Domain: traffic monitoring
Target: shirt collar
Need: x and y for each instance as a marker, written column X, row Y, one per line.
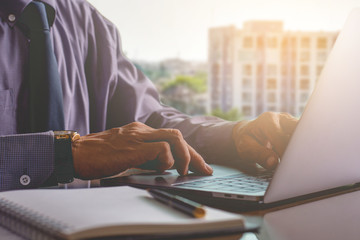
column 10, row 10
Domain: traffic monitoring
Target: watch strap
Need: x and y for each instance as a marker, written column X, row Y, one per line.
column 64, row 166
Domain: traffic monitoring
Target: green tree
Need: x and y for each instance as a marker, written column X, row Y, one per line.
column 196, row 83
column 186, row 93
column 231, row 115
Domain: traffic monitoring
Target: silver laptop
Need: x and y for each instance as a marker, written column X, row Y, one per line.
column 323, row 153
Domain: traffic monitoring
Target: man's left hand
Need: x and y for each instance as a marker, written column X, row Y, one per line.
column 263, row 140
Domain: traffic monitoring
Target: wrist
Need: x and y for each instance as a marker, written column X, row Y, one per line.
column 238, row 127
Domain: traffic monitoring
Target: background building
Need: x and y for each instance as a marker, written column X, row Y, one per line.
column 264, row 68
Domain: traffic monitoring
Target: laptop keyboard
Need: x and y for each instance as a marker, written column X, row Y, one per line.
column 237, row 183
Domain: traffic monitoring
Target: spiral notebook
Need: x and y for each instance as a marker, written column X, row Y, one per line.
column 104, row 212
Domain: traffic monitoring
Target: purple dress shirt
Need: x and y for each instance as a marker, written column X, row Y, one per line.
column 101, row 90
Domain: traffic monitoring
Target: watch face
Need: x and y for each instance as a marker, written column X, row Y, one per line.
column 64, row 134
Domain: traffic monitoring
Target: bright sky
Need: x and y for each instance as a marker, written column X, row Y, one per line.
column 158, row 29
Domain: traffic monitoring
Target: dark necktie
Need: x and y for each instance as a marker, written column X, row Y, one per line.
column 45, row 101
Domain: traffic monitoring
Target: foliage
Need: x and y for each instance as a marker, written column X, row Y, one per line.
column 231, row 115
column 195, row 83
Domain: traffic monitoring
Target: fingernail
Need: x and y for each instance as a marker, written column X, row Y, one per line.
column 271, row 161
column 268, row 145
column 209, row 169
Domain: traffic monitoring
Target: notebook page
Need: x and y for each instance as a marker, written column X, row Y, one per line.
column 114, row 210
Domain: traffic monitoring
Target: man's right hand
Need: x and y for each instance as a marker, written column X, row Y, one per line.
column 110, row 152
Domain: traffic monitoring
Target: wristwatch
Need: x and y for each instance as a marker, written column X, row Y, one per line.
column 64, row 166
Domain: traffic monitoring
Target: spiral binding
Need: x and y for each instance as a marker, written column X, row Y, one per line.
column 29, row 224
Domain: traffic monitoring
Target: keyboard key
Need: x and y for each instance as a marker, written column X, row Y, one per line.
column 233, row 183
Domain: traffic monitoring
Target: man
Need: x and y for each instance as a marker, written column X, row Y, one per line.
column 105, row 95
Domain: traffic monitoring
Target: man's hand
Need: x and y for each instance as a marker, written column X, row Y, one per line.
column 264, row 139
column 113, row 151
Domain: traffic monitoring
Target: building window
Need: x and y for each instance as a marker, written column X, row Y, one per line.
column 246, row 110
column 322, row 43
column 284, row 55
column 271, row 70
column 304, row 84
column 284, row 44
column 321, row 56
column 246, row 97
column 272, row 42
column 260, row 42
column 246, row 83
column 271, row 97
column 305, row 56
column 271, row 83
column 248, row 42
column 304, row 70
column 247, row 69
column 304, row 97
column 305, row 42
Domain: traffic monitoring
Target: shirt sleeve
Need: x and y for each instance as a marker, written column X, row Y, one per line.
column 132, row 97
column 26, row 160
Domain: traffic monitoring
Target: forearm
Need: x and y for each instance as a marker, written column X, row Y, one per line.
column 29, row 155
column 134, row 98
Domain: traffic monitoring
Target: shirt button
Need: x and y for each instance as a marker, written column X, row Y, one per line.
column 12, row 17
column 24, row 180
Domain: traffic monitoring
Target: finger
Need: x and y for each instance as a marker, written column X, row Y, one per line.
column 288, row 123
column 198, row 164
column 278, row 143
column 249, row 149
column 285, row 126
column 158, row 156
column 179, row 147
column 275, row 128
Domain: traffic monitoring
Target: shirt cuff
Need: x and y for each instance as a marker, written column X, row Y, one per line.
column 26, row 160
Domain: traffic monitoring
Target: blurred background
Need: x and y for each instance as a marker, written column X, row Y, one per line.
column 230, row 58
